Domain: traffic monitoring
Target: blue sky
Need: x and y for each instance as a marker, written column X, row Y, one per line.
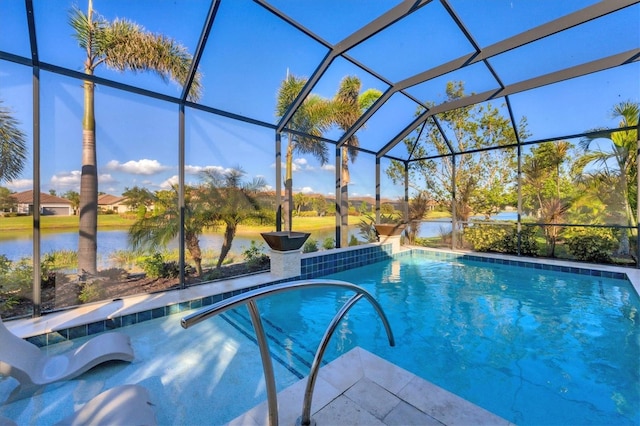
column 247, row 56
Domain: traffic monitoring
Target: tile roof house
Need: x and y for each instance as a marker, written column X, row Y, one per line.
column 50, row 205
column 112, row 203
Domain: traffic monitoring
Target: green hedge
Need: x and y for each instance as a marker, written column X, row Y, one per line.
column 502, row 239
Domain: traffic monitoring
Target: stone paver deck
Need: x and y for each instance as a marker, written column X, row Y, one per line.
column 360, row 388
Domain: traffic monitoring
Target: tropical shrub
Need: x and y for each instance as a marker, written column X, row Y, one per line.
column 156, row 267
column 591, row 244
column 329, row 243
column 254, row 255
column 310, row 246
column 502, row 239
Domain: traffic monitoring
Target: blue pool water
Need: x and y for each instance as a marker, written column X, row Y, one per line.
column 535, row 347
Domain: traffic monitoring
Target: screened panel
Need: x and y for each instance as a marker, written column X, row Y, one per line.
column 386, row 122
column 182, row 23
column 418, row 48
column 477, row 78
column 333, row 20
column 479, row 126
column 61, row 126
column 16, row 243
column 578, row 105
column 353, row 87
column 609, row 35
column 243, row 38
column 214, row 174
column 514, row 17
column 14, row 37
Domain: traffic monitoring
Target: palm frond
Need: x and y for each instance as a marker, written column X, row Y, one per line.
column 13, row 146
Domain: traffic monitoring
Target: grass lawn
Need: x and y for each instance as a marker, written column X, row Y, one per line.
column 25, row 223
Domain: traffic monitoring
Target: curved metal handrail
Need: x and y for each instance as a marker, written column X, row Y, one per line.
column 249, row 298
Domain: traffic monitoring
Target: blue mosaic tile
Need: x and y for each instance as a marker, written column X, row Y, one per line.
column 40, row 341
column 96, row 327
column 171, row 309
column 129, row 319
column 56, row 337
column 158, row 312
column 113, row 323
column 77, row 332
column 144, row 316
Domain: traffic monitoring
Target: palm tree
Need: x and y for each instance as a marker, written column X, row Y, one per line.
column 312, row 118
column 13, row 146
column 231, row 202
column 348, row 106
column 553, row 211
column 620, row 160
column 160, row 228
column 121, row 45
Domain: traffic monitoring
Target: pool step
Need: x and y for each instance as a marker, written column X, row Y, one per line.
column 293, row 355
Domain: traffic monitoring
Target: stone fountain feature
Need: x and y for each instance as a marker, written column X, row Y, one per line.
column 285, row 253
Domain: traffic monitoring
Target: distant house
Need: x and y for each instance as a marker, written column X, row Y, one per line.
column 112, row 203
column 50, row 205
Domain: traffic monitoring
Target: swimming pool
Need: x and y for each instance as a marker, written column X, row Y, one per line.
column 535, row 347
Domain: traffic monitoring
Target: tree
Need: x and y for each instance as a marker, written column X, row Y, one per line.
column 300, row 201
column 231, row 201
column 121, row 45
column 544, row 177
column 163, row 225
column 137, row 197
column 418, row 208
column 8, row 202
column 348, row 106
column 484, row 180
column 319, row 204
column 222, row 198
column 617, row 161
column 74, row 197
column 13, row 146
column 312, row 118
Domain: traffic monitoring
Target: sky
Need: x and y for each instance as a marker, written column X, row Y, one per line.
column 249, row 53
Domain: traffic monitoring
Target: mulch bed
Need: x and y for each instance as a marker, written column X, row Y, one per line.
column 60, row 293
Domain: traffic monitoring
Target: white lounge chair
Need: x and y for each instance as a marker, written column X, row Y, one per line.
column 32, row 368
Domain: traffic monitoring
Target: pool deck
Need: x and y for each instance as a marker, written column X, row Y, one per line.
column 360, row 388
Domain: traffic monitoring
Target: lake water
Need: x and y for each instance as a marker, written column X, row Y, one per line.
column 109, row 241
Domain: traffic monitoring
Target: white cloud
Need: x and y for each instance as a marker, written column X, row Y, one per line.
column 306, row 190
column 66, row 179
column 329, row 168
column 167, row 184
column 194, row 170
column 141, row 167
column 106, row 178
column 71, row 180
column 19, row 185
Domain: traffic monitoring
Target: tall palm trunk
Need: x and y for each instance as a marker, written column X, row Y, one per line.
column 193, row 245
column 229, row 234
column 344, row 199
column 88, row 206
column 288, row 188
